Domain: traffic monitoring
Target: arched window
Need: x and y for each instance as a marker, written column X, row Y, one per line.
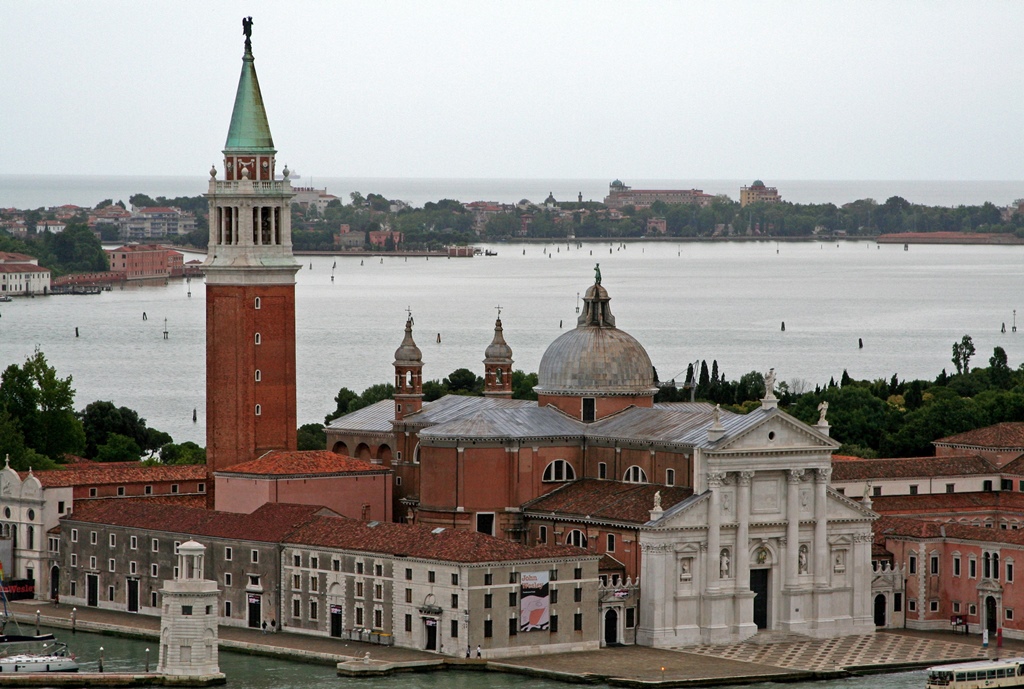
column 635, row 474
column 259, row 410
column 670, row 477
column 559, row 470
column 257, row 303
column 258, row 338
column 576, row 538
column 259, row 375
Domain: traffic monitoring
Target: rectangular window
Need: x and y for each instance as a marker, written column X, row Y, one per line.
column 408, row 623
column 174, row 487
column 133, row 567
column 577, row 622
column 455, row 629
column 513, row 626
column 950, row 487
column 186, row 610
column 553, row 623
column 670, row 477
column 577, row 573
column 296, row 582
column 408, row 574
column 972, row 568
column 359, row 589
column 74, row 560
column 254, row 580
column 92, row 492
column 154, row 571
column 296, row 560
column 913, row 489
column 1009, row 613
column 431, row 577
column 378, row 591
column 876, row 491
column 92, row 538
column 408, row 595
column 986, row 485
column 934, row 564
column 455, row 601
column 913, row 564
column 956, row 606
column 359, row 568
column 553, row 595
column 227, row 608
column 133, row 542
column 120, row 490
column 154, row 545
column 912, row 605
column 227, row 578
column 455, row 579
column 314, row 583
column 314, row 562
column 577, row 595
column 488, row 600
column 113, row 540
column 336, row 565
column 589, row 409
column 630, row 618
column 1009, row 572
column 228, row 553
column 359, row 617
column 513, row 577
column 1006, row 484
column 254, row 557
column 933, row 606
column 313, row 610
column 512, row 599
column 611, row 543
column 74, row 535
column 488, row 629
column 92, row 562
column 148, row 490
column 296, row 608
column 74, row 588
column 602, row 470
column 542, row 534
column 956, row 566
column 378, row 570
column 60, row 504
column 201, row 487
column 110, row 565
column 488, row 579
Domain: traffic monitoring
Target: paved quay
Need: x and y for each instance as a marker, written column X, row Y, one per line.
column 767, row 657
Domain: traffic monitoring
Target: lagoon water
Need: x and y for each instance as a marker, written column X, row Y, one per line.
column 683, row 302
column 255, row 672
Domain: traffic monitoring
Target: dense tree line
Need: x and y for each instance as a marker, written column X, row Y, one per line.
column 75, row 250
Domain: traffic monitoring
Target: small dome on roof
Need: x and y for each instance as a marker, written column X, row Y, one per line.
column 757, row 183
column 498, row 352
column 408, row 352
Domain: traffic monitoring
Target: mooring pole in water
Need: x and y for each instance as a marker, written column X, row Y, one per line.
column 165, row 329
column 783, row 326
column 194, row 415
column 860, row 343
column 76, row 331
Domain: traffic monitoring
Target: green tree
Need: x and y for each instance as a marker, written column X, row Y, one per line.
column 118, row 448
column 523, row 384
column 962, row 353
column 311, row 436
column 41, row 403
column 999, row 371
column 462, row 381
column 185, row 453
column 100, row 419
column 342, row 401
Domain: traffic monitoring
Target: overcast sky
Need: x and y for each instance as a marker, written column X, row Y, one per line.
column 779, row 90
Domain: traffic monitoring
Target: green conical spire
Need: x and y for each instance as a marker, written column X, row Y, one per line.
column 249, row 130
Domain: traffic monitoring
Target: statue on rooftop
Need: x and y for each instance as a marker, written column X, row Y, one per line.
column 597, row 274
column 247, row 31
column 769, row 384
column 822, row 410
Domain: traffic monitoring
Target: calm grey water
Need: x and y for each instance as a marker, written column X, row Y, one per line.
column 683, row 302
column 34, row 191
column 255, row 672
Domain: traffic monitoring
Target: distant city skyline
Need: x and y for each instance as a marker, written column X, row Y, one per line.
column 673, row 90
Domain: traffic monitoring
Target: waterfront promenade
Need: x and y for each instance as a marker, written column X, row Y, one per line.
column 769, row 657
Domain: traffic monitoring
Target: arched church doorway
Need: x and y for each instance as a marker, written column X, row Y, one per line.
column 880, row 610
column 611, row 627
column 759, row 585
column 991, row 619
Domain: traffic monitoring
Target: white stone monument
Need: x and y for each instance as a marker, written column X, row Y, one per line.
column 188, row 622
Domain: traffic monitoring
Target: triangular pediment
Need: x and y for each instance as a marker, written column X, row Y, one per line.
column 774, row 431
column 690, row 513
column 841, row 507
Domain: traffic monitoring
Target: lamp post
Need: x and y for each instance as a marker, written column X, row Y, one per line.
column 37, row 623
column 147, row 660
column 101, row 659
column 74, row 612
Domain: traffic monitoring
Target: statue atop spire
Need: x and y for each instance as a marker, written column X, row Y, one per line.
column 247, row 31
column 597, row 274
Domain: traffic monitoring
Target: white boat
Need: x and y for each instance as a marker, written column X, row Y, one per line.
column 979, row 674
column 54, row 659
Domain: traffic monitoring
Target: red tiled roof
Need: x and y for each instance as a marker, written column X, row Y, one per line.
column 179, row 499
column 268, row 524
column 304, row 463
column 948, row 502
column 911, row 467
column 1001, row 435
column 11, row 256
column 409, row 540
column 120, row 473
column 902, row 527
column 600, row 500
column 22, row 268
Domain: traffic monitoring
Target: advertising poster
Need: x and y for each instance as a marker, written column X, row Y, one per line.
column 534, row 602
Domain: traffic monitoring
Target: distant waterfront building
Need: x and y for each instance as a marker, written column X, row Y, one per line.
column 620, row 195
column 145, row 261
column 51, row 226
column 22, row 274
column 157, row 221
column 758, row 193
column 309, row 196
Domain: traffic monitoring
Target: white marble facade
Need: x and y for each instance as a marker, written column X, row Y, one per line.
column 762, row 519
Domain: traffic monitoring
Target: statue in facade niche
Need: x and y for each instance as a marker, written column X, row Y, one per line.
column 723, row 564
column 802, row 560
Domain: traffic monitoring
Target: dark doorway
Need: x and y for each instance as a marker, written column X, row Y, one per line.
column 611, row 627
column 336, row 620
column 54, row 582
column 92, row 588
column 255, row 610
column 133, row 595
column 880, row 610
column 759, row 585
column 431, row 626
column 991, row 619
column 589, row 408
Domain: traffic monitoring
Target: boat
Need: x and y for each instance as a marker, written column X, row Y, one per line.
column 5, row 297
column 1008, row 672
column 55, row 658
column 490, row 253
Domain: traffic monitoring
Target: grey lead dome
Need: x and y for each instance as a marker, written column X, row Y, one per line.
column 596, row 357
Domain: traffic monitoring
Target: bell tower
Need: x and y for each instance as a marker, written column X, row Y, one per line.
column 408, row 375
column 498, row 365
column 250, row 290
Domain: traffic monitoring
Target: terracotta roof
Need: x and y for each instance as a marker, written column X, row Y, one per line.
column 268, row 524
column 949, row 502
column 1002, row 435
column 902, row 527
column 179, row 499
column 600, row 500
column 11, row 256
column 22, row 268
column 911, row 467
column 409, row 540
column 304, row 463
column 117, row 473
column 1015, row 466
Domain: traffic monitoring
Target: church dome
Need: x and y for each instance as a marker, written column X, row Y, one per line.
column 596, row 358
column 408, row 352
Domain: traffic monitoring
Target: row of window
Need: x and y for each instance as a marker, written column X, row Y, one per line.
column 990, row 566
column 987, row 486
column 577, row 538
column 561, row 470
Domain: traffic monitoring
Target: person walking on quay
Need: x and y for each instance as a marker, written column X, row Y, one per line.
column 273, row 625
column 468, row 650
column 478, row 651
column 264, row 626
